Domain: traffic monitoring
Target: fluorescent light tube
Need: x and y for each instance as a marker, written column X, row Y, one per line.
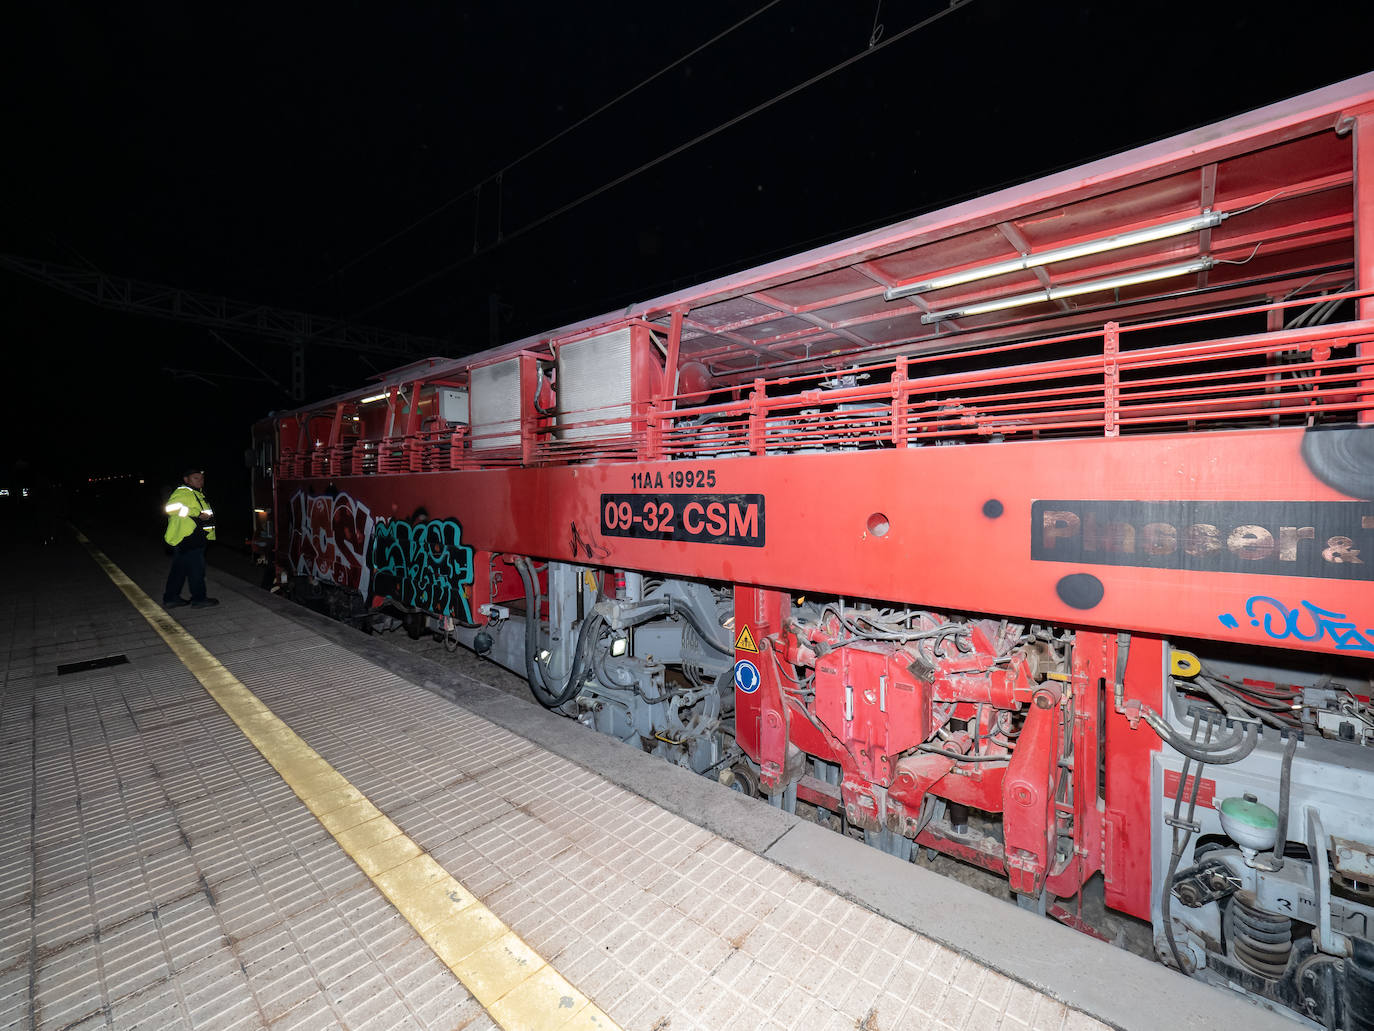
column 374, row 397
column 1077, row 250
column 1071, row 290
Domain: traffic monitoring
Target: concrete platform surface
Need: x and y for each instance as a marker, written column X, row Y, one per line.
column 241, row 822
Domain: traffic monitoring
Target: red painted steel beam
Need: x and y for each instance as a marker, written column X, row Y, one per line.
column 1028, row 794
column 1128, row 753
column 1363, row 142
column 943, row 549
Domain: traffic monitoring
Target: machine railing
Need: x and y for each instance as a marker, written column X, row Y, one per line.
column 1074, row 385
column 1288, row 376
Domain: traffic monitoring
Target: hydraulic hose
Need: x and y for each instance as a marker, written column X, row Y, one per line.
column 1228, row 703
column 1285, row 786
column 1232, row 748
column 538, row 389
column 1166, row 915
column 1183, row 834
column 586, row 640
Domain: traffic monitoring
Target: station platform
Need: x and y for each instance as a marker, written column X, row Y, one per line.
column 248, row 817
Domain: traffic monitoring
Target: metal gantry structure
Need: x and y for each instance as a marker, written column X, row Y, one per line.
column 296, row 329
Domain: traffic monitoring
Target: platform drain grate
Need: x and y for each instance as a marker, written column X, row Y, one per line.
column 80, row 667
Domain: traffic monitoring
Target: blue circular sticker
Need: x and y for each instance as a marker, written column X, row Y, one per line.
column 747, row 677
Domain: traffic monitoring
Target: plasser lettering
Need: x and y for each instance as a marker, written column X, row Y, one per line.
column 1330, row 539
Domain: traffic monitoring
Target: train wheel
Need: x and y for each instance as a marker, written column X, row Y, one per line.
column 742, row 778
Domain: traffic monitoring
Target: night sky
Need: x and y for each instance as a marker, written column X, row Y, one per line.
column 267, row 153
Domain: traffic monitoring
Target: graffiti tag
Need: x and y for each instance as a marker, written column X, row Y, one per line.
column 424, row 565
column 329, row 539
column 1306, row 622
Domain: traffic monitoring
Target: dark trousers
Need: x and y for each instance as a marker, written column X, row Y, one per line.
column 188, row 566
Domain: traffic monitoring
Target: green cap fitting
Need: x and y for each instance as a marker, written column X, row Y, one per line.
column 1252, row 814
column 1249, row 824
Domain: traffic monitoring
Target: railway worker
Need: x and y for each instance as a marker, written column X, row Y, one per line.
column 190, row 527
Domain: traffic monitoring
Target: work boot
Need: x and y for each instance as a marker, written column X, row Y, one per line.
column 175, row 603
column 204, row 603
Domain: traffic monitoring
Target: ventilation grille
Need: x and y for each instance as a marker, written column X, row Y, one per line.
column 494, row 399
column 594, row 385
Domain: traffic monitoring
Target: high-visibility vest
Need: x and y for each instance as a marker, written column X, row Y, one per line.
column 183, row 508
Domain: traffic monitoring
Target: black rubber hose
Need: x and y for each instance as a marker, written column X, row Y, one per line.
column 1182, row 835
column 1233, row 748
column 586, row 639
column 1221, row 757
column 1227, row 701
column 582, row 653
column 1285, row 783
column 532, row 606
column 1166, row 900
column 538, row 389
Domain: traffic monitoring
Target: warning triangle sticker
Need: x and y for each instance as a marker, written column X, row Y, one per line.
column 745, row 641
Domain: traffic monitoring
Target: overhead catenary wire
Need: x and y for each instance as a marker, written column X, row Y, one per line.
column 496, row 176
column 876, row 33
column 536, row 223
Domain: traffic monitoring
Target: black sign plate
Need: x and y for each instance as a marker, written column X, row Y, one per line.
column 730, row 519
column 1330, row 539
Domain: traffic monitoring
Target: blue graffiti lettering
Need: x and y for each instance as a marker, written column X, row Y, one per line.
column 1307, row 622
column 424, row 565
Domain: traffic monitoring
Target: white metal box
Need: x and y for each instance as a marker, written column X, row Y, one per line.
column 453, row 404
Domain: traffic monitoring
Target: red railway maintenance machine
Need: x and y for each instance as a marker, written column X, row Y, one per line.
column 1037, row 531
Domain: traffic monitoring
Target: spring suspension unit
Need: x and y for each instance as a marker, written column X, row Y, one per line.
column 1260, row 940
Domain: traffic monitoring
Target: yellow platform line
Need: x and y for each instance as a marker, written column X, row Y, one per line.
column 515, row 985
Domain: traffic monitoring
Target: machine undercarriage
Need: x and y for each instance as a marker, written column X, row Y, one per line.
column 983, row 740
